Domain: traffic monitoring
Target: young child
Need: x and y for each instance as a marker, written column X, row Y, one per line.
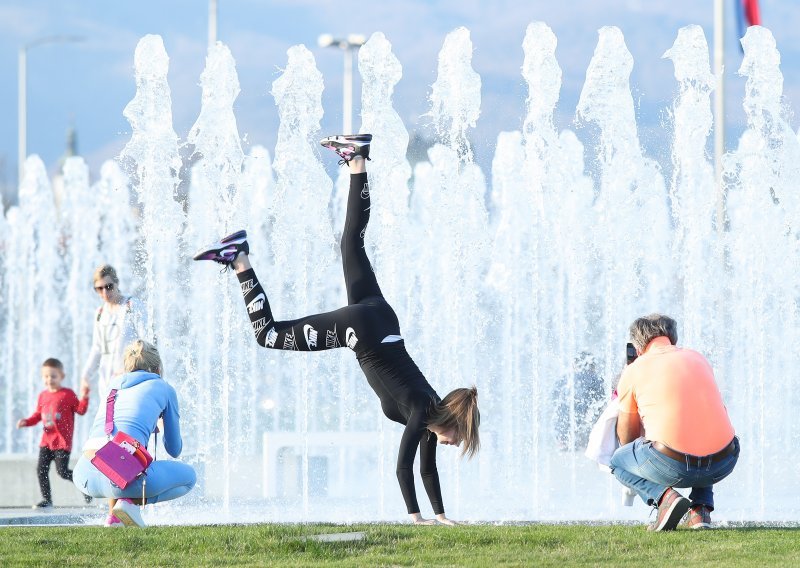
column 56, row 410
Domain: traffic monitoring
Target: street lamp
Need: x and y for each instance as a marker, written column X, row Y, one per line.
column 22, row 85
column 719, row 109
column 348, row 45
column 212, row 23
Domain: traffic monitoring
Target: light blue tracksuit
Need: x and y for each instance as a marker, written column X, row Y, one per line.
column 142, row 398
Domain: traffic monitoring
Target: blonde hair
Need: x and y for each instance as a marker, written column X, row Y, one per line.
column 142, row 356
column 103, row 271
column 459, row 411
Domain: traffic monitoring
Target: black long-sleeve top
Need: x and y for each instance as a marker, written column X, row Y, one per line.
column 406, row 397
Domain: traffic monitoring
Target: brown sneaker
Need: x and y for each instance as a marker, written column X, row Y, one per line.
column 699, row 517
column 671, row 509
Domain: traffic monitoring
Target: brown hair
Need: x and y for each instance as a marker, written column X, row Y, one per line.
column 142, row 356
column 103, row 271
column 54, row 363
column 459, row 410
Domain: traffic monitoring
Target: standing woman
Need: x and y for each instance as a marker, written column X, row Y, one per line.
column 368, row 326
column 118, row 321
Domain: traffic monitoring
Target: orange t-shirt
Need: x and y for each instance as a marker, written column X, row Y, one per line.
column 677, row 398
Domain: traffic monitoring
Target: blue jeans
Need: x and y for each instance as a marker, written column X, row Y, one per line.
column 650, row 473
column 166, row 480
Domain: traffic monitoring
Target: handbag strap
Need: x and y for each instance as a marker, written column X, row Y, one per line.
column 112, row 397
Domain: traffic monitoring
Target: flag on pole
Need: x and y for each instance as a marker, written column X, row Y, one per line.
column 751, row 12
column 747, row 14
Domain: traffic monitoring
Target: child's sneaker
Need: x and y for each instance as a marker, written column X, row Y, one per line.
column 225, row 250
column 348, row 146
column 127, row 512
column 113, row 521
column 43, row 504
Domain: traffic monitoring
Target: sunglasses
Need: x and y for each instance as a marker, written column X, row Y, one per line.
column 107, row 287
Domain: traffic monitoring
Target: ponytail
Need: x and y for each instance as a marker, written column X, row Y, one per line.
column 459, row 411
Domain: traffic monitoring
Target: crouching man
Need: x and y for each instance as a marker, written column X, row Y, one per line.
column 673, row 428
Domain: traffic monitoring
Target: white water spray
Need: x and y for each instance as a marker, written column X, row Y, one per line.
column 526, row 300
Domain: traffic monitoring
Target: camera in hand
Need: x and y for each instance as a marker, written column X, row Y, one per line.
column 630, row 353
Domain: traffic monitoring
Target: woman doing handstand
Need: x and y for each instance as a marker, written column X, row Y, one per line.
column 368, row 326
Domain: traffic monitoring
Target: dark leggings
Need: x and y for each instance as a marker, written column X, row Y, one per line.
column 46, row 455
column 366, row 319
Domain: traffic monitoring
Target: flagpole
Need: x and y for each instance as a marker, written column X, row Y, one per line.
column 719, row 108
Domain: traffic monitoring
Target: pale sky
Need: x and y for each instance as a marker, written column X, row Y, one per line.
column 88, row 84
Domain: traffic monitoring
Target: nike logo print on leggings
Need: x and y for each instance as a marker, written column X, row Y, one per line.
column 311, row 336
column 256, row 304
column 350, row 338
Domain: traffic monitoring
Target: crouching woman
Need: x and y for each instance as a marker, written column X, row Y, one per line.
column 142, row 397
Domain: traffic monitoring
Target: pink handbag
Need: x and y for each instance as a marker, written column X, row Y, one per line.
column 123, row 459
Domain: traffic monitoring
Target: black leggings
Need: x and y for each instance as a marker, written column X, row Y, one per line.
column 364, row 322
column 46, row 456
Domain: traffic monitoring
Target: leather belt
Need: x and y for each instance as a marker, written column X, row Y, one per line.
column 692, row 460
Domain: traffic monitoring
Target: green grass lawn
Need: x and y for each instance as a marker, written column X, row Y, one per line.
column 397, row 545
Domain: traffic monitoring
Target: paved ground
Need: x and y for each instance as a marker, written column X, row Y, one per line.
column 90, row 515
column 93, row 515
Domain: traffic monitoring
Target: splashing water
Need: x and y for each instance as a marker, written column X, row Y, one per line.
column 524, row 288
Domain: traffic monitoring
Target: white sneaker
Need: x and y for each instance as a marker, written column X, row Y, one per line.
column 128, row 513
column 348, row 146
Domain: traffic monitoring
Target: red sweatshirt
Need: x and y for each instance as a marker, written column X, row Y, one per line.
column 56, row 410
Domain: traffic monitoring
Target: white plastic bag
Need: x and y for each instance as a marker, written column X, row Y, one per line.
column 603, row 443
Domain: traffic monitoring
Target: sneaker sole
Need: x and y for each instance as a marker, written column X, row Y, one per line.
column 126, row 519
column 701, row 526
column 348, row 146
column 216, row 254
column 344, row 138
column 234, row 236
column 233, row 240
column 674, row 514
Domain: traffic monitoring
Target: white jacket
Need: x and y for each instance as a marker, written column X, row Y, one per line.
column 113, row 331
column 603, row 437
column 603, row 443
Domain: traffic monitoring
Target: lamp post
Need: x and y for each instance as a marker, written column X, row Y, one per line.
column 22, row 85
column 212, row 23
column 348, row 45
column 719, row 108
